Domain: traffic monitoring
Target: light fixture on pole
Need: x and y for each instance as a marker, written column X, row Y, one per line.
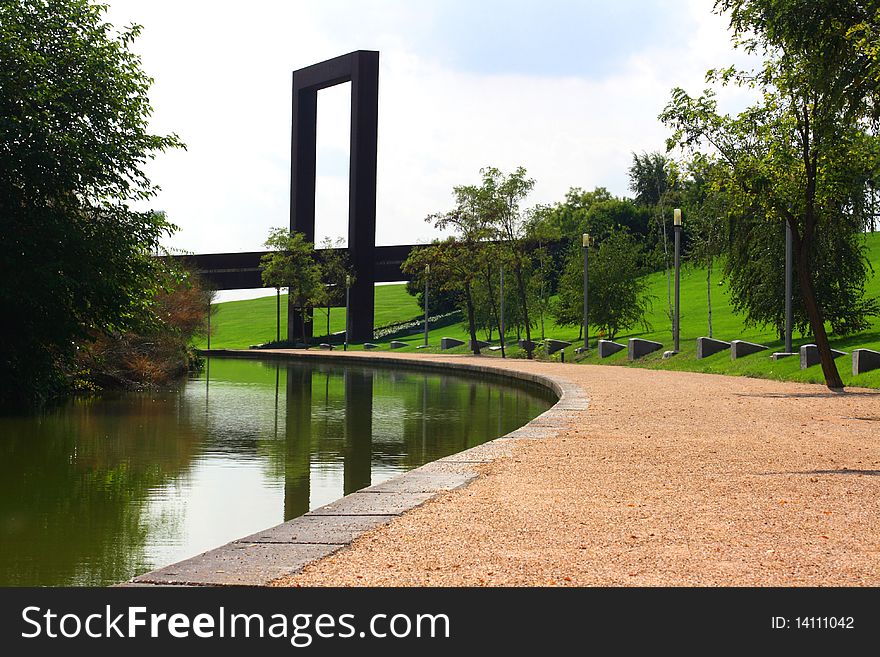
column 347, row 306
column 585, row 242
column 788, row 287
column 209, row 323
column 427, row 274
column 676, row 320
column 501, row 318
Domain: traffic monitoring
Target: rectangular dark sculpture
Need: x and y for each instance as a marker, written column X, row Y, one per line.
column 740, row 348
column 361, row 68
column 865, row 360
column 709, row 346
column 636, row 348
column 608, row 348
column 552, row 346
column 810, row 355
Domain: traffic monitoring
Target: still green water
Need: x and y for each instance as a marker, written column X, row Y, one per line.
column 100, row 490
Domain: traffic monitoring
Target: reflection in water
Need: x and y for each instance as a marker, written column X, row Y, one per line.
column 100, row 490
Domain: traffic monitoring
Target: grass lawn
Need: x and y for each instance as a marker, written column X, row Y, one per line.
column 239, row 324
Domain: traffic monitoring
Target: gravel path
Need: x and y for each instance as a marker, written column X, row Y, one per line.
column 670, row 478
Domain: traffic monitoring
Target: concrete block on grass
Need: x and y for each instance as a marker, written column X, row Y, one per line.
column 480, row 344
column 397, row 344
column 553, row 346
column 779, row 355
column 810, row 355
column 607, row 348
column 370, row 345
column 449, row 343
column 709, row 346
column 638, row 348
column 740, row 348
column 326, row 347
column 528, row 345
column 865, row 360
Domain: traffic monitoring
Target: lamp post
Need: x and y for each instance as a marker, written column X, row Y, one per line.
column 501, row 319
column 347, row 306
column 676, row 325
column 788, row 286
column 585, row 241
column 427, row 273
column 209, row 324
column 277, row 314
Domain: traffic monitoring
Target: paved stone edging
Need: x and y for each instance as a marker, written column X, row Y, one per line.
column 287, row 548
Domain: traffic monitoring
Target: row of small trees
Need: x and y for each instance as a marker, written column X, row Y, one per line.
column 504, row 264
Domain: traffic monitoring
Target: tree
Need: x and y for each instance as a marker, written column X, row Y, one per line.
column 501, row 195
column 457, row 263
column 797, row 156
column 617, row 288
column 568, row 218
column 291, row 263
column 452, row 270
column 653, row 178
column 76, row 259
column 336, row 270
column 705, row 207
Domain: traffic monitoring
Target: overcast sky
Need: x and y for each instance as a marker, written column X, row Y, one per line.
column 566, row 89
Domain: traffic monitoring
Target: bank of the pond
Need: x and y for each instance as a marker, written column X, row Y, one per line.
column 259, row 558
column 668, row 478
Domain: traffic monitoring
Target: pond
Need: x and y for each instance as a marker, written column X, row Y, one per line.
column 102, row 489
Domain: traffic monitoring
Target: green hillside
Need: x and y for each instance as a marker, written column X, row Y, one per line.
column 242, row 323
column 239, row 324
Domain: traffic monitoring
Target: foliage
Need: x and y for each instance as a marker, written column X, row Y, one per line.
column 617, row 294
column 291, row 263
column 704, row 206
column 755, row 266
column 76, row 259
column 802, row 155
column 452, row 270
column 568, row 219
column 501, row 195
column 336, row 272
column 651, row 177
column 156, row 356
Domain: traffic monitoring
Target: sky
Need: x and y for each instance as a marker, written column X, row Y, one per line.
column 569, row 90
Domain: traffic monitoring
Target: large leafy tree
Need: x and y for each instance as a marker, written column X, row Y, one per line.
column 801, row 155
column 75, row 258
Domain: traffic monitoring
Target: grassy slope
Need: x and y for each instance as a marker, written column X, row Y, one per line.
column 241, row 323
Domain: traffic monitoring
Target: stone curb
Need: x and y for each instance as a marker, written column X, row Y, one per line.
column 285, row 549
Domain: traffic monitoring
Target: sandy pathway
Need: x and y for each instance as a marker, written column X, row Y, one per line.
column 670, row 478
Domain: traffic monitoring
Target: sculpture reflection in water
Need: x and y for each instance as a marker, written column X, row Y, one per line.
column 99, row 490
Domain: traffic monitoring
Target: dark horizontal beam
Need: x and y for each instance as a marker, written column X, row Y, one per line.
column 241, row 271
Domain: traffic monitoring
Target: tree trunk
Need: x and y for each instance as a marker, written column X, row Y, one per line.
column 817, row 322
column 302, row 317
column 522, row 295
column 472, row 324
column 328, row 319
column 494, row 307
